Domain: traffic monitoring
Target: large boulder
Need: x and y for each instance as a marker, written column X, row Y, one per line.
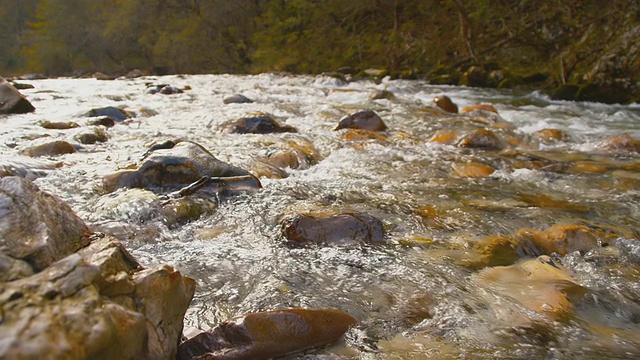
column 37, row 227
column 66, row 294
column 177, row 165
column 268, row 334
column 11, row 101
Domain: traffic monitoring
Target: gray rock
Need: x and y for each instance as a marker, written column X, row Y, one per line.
column 37, row 227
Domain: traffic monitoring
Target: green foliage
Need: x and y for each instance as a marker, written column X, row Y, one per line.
column 573, row 40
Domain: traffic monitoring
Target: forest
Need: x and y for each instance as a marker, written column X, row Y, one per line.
column 576, row 49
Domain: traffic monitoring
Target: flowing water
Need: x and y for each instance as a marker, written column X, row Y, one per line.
column 415, row 296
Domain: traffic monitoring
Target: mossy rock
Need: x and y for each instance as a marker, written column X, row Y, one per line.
column 565, row 92
column 604, row 94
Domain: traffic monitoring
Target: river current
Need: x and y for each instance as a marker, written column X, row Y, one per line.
column 421, row 294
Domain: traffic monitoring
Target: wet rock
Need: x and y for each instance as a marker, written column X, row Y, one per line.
column 185, row 163
column 445, row 103
column 178, row 166
column 162, row 295
column 22, row 86
column 11, row 101
column 260, row 124
column 163, row 89
column 363, row 120
column 549, row 136
column 548, row 202
column 587, row 167
column 59, row 125
column 124, row 179
column 284, row 154
column 445, row 138
column 364, row 135
column 117, row 114
column 382, row 94
column 91, row 137
column 105, row 121
column 472, row 170
column 236, row 99
column 182, row 210
column 621, row 143
column 561, row 239
column 482, row 139
column 37, row 227
column 341, row 229
column 479, row 107
column 268, row 334
column 54, row 148
column 539, row 284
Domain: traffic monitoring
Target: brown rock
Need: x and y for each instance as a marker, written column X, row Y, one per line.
column 621, row 143
column 260, row 124
column 382, row 94
column 445, row 103
column 363, row 120
column 538, row 284
column 91, row 137
column 59, row 125
column 472, row 170
column 482, row 139
column 363, row 135
column 561, row 239
column 348, row 228
column 53, row 148
column 445, row 138
column 268, row 334
column 549, row 136
column 479, row 107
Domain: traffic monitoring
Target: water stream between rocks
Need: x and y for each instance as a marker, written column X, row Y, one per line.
column 458, row 273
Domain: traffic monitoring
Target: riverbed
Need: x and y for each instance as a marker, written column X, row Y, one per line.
column 426, row 291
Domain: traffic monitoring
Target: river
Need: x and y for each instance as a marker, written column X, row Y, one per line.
column 427, row 291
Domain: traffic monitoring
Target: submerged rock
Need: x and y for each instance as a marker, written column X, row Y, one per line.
column 621, row 143
column 260, row 124
column 363, row 120
column 382, row 94
column 482, row 139
column 549, row 136
column 12, row 101
column 561, row 239
column 472, row 170
column 267, row 335
column 341, row 229
column 539, row 284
